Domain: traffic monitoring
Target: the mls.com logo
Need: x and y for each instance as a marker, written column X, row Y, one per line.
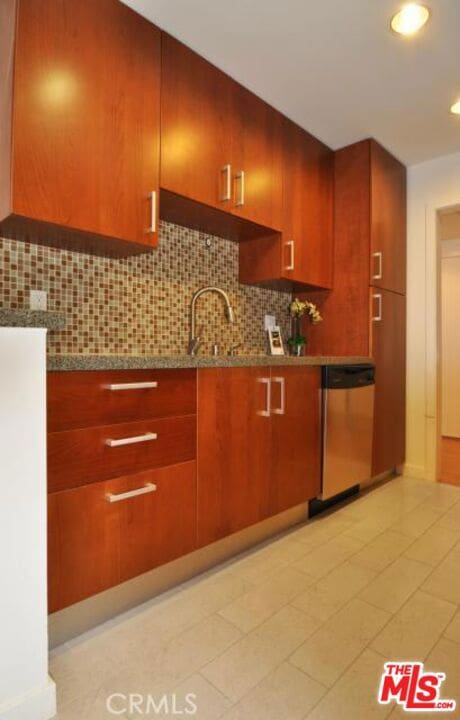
column 414, row 689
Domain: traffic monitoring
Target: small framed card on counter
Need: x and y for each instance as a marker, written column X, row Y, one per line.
column 275, row 340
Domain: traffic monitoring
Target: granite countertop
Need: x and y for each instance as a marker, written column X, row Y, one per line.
column 31, row 319
column 146, row 362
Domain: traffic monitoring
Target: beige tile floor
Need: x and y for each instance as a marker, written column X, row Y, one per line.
column 297, row 628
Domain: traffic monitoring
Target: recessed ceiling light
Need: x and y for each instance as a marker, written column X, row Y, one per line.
column 455, row 109
column 410, row 19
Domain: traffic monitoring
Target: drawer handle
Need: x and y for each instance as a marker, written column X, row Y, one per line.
column 131, row 440
column 148, row 488
column 131, row 386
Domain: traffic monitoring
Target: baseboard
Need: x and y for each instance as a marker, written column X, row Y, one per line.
column 83, row 616
column 39, row 704
column 417, row 472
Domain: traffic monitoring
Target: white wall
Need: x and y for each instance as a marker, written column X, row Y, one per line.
column 450, row 376
column 26, row 693
column 431, row 185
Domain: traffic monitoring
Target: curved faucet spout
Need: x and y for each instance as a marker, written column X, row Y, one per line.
column 194, row 341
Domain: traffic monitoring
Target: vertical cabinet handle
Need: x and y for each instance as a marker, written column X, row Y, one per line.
column 153, row 212
column 240, row 178
column 148, row 488
column 281, row 409
column 378, row 275
column 227, row 183
column 268, row 397
column 291, row 245
column 378, row 317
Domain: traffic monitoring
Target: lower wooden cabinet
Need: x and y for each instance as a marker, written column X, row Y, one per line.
column 98, row 538
column 233, row 450
column 258, row 445
column 388, row 348
column 295, row 437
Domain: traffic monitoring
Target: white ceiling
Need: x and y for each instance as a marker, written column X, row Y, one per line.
column 334, row 66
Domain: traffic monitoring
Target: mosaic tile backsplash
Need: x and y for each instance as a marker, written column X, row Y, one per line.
column 140, row 305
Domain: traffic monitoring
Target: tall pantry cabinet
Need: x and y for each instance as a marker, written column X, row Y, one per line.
column 365, row 313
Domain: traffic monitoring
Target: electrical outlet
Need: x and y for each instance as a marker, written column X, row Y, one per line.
column 38, row 300
column 269, row 321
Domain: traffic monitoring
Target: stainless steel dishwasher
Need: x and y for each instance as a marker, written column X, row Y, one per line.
column 348, row 420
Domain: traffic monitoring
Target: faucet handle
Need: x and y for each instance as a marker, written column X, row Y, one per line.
column 233, row 349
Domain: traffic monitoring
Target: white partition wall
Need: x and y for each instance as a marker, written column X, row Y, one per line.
column 26, row 692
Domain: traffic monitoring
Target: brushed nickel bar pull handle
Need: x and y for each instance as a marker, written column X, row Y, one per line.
column 282, row 408
column 153, row 212
column 131, row 440
column 227, row 194
column 148, row 488
column 378, row 317
column 268, row 397
column 291, row 245
column 241, row 177
column 131, row 386
column 379, row 274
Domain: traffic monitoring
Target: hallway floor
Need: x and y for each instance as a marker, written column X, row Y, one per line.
column 298, row 628
column 450, row 460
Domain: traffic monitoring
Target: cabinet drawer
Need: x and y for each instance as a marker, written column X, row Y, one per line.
column 79, row 457
column 95, row 544
column 84, row 399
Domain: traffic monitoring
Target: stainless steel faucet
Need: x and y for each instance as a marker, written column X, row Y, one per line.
column 195, row 341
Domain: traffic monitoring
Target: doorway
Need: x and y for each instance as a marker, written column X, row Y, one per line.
column 449, row 341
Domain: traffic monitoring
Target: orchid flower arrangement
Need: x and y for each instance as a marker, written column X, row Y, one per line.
column 297, row 309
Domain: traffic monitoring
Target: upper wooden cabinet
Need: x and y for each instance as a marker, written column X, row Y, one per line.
column 302, row 256
column 196, row 126
column 80, row 101
column 220, row 144
column 387, row 220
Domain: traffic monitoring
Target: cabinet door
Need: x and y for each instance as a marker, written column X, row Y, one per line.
column 86, row 118
column 388, row 336
column 160, row 526
column 295, row 444
column 233, row 450
column 388, row 221
column 196, row 137
column 83, row 544
column 307, row 252
column 257, row 131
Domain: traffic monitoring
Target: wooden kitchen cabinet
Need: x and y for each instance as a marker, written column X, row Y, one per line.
column 257, row 160
column 196, row 126
column 302, row 256
column 388, row 220
column 258, row 445
column 83, row 544
column 80, row 102
column 220, row 144
column 233, row 450
column 95, row 544
column 369, row 217
column 295, row 436
column 388, row 348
